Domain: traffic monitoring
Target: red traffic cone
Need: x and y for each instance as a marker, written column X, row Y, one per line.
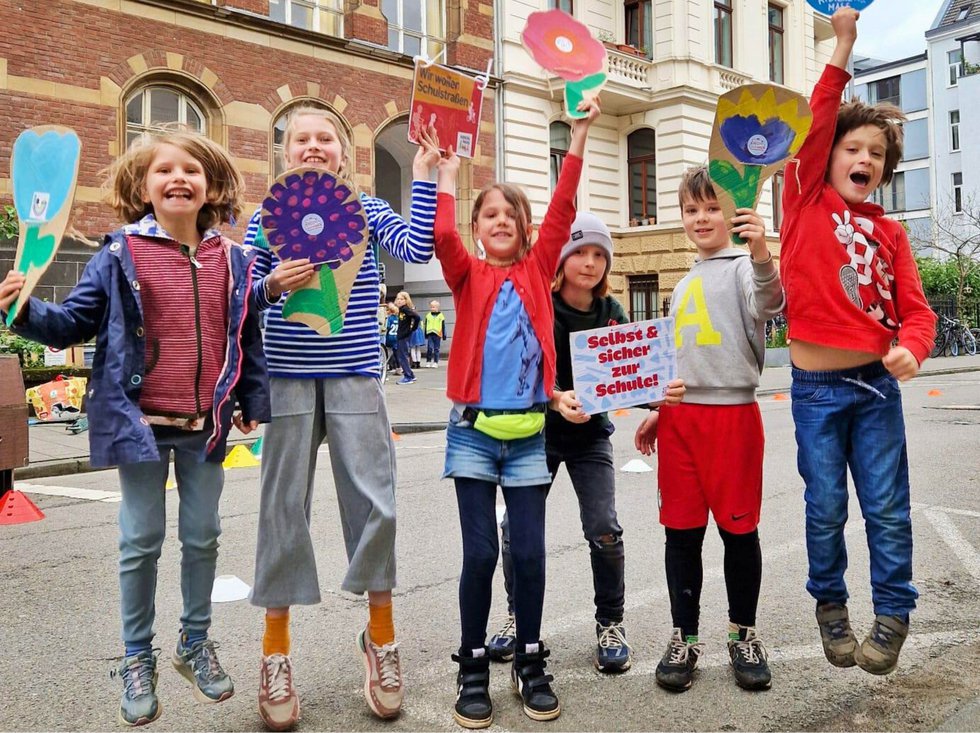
column 16, row 508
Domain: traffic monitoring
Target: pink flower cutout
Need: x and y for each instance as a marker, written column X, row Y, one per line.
column 562, row 45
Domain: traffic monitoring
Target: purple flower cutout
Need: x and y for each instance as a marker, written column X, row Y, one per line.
column 314, row 214
column 755, row 143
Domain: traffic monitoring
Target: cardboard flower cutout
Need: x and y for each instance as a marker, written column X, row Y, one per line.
column 758, row 127
column 310, row 213
column 566, row 48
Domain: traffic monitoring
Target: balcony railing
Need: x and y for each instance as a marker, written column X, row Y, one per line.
column 629, row 69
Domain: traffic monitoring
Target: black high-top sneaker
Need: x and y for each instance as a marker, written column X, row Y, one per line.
column 532, row 684
column 473, row 708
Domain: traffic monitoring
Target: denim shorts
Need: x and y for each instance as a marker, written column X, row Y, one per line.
column 472, row 454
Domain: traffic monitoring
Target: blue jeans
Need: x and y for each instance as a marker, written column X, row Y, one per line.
column 404, row 360
column 432, row 342
column 853, row 418
column 143, row 525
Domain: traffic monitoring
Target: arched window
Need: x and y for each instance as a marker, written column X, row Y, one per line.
column 279, row 133
column 641, row 153
column 561, row 138
column 157, row 105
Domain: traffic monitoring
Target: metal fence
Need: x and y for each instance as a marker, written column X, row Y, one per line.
column 946, row 306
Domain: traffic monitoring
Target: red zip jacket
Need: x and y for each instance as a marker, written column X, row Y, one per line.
column 475, row 285
column 848, row 271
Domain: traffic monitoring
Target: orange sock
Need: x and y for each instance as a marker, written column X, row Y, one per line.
column 381, row 626
column 276, row 637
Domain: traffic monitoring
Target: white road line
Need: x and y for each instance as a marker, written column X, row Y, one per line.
column 952, row 536
column 70, row 492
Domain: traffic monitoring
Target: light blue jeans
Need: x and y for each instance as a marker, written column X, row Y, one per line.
column 853, row 419
column 142, row 527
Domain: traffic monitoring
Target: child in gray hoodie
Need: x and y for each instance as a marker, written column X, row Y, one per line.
column 711, row 445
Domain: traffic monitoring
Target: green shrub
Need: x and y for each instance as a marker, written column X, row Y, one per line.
column 9, row 227
column 30, row 353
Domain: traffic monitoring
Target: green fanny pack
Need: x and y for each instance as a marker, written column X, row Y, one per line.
column 506, row 425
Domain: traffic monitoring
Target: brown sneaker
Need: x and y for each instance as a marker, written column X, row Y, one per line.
column 383, row 687
column 878, row 653
column 838, row 639
column 278, row 701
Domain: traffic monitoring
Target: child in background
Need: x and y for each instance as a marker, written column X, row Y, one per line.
column 391, row 335
column 166, row 290
column 435, row 331
column 858, row 324
column 408, row 324
column 500, row 380
column 581, row 442
column 711, row 445
column 415, row 342
column 328, row 388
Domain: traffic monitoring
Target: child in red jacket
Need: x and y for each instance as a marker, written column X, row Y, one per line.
column 858, row 324
column 500, row 380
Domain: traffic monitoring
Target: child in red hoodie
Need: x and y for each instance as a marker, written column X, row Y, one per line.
column 858, row 324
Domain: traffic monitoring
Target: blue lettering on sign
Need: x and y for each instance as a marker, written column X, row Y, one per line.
column 829, row 6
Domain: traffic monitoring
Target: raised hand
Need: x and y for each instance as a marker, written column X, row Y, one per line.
column 428, row 155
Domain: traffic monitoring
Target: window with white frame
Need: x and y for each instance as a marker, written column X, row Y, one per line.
column 957, row 192
column 886, row 91
column 954, row 130
column 954, row 59
column 776, row 29
column 414, row 26
column 322, row 16
column 723, row 33
column 156, row 105
column 891, row 197
column 639, row 25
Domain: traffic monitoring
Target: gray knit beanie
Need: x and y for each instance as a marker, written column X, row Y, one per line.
column 587, row 229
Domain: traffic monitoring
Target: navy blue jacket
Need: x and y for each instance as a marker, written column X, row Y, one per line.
column 106, row 304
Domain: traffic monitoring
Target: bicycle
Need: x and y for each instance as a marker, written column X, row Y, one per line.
column 384, row 355
column 953, row 337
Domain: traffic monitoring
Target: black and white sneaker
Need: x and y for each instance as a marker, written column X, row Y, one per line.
column 750, row 661
column 675, row 672
column 533, row 685
column 474, row 708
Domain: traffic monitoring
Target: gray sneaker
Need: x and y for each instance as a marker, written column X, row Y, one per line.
column 838, row 640
column 199, row 665
column 878, row 653
column 139, row 704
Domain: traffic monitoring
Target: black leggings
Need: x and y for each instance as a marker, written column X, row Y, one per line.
column 685, row 576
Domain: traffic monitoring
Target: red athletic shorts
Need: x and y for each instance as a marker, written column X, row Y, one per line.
column 710, row 457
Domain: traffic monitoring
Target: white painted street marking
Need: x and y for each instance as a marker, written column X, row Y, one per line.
column 70, row 492
column 952, row 536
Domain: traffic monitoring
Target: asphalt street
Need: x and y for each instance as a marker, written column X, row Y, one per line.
column 60, row 625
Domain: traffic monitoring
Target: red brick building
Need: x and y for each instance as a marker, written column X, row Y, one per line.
column 232, row 69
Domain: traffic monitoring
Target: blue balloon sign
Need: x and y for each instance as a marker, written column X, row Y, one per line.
column 829, row 6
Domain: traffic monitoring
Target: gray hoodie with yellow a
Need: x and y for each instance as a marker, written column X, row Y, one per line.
column 720, row 308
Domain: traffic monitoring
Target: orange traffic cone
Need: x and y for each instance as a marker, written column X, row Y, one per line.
column 16, row 508
column 780, row 396
column 621, row 412
column 935, row 393
column 395, row 436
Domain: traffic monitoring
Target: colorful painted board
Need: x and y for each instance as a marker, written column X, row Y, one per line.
column 758, row 127
column 565, row 47
column 451, row 101
column 44, row 170
column 623, row 366
column 312, row 213
column 829, row 6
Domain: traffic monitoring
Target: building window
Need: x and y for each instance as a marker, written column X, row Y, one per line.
column 954, row 130
column 644, row 291
column 565, row 5
column 639, row 24
column 964, row 11
column 957, row 192
column 159, row 105
column 414, row 26
column 723, row 32
column 776, row 44
column 955, row 61
column 322, row 16
column 886, row 91
column 891, row 197
column 777, row 201
column 641, row 153
column 279, row 134
column 561, row 139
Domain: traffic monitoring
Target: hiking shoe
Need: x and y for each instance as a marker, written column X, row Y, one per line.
column 199, row 665
column 474, row 708
column 406, row 380
column 501, row 646
column 139, row 704
column 749, row 658
column 878, row 653
column 612, row 653
column 838, row 639
column 383, row 687
column 675, row 671
column 533, row 685
column 278, row 701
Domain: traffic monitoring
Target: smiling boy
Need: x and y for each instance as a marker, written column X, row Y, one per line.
column 858, row 324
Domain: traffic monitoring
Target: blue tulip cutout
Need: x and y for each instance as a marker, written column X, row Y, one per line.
column 757, row 143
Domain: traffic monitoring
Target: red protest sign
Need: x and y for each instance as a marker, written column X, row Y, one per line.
column 449, row 100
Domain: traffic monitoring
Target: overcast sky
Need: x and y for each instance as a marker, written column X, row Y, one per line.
column 895, row 29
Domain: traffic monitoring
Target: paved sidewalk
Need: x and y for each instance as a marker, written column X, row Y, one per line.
column 411, row 408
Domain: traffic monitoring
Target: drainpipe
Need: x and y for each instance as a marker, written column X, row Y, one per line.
column 498, row 110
